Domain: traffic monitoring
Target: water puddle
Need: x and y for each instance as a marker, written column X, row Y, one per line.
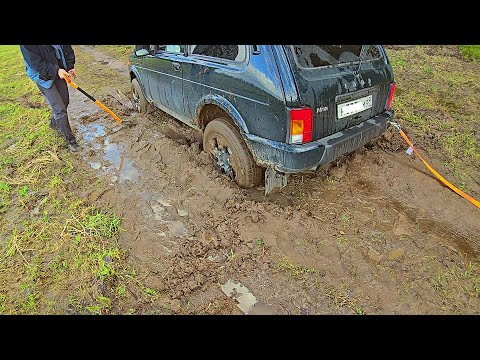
column 90, row 133
column 124, row 167
column 245, row 300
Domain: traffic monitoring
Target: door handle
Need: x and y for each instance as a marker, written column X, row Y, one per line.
column 176, row 66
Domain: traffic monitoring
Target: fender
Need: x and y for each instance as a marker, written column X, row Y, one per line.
column 225, row 105
column 137, row 76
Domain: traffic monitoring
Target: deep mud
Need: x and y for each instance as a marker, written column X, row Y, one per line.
column 368, row 234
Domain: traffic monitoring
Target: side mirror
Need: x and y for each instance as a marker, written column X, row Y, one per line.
column 141, row 52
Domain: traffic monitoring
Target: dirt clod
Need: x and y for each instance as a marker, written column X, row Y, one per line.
column 395, row 254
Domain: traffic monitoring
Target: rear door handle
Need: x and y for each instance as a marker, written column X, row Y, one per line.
column 176, row 66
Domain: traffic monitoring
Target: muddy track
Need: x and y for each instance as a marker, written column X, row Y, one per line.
column 104, row 59
column 363, row 233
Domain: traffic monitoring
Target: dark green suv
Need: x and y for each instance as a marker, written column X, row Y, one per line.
column 283, row 108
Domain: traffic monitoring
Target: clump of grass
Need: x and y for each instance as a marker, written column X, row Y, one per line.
column 5, row 190
column 344, row 218
column 292, row 269
column 151, row 292
column 23, row 191
column 341, row 299
column 260, row 242
column 231, row 255
column 470, row 52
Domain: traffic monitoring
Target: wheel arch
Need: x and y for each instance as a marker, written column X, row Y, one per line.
column 215, row 106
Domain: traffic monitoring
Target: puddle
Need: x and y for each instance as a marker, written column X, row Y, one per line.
column 124, row 167
column 178, row 229
column 245, row 300
column 90, row 132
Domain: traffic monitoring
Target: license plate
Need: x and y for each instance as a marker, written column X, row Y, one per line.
column 354, row 106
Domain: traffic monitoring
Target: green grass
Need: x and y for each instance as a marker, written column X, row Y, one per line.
column 438, row 94
column 458, row 285
column 58, row 253
column 471, row 52
column 5, row 189
column 294, row 271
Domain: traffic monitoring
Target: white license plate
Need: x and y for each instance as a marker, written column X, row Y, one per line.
column 354, row 106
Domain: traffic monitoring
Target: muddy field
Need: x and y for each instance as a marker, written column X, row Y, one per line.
column 373, row 233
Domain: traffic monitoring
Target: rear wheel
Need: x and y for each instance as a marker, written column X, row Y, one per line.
column 138, row 98
column 223, row 142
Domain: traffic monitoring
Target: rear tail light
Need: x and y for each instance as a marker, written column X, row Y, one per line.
column 390, row 96
column 301, row 125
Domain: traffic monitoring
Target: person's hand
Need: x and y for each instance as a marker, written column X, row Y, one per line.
column 62, row 73
column 72, row 73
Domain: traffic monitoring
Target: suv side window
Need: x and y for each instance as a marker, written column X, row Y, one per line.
column 235, row 53
column 176, row 49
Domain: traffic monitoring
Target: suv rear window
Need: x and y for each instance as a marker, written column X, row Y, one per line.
column 313, row 56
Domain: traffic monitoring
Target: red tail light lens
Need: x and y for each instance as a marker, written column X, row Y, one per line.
column 390, row 97
column 301, row 125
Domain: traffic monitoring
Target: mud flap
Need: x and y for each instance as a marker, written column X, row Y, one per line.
column 274, row 180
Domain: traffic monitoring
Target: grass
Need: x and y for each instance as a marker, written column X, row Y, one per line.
column 341, row 299
column 231, row 255
column 58, row 253
column 437, row 102
column 457, row 285
column 4, row 196
column 471, row 52
column 294, row 271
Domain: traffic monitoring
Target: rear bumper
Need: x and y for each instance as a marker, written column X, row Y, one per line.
column 289, row 158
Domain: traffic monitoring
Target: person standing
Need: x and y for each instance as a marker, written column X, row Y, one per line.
column 47, row 66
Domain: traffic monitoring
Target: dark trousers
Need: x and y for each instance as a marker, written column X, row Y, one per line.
column 58, row 99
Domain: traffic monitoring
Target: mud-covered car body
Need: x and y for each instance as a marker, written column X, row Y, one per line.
column 296, row 106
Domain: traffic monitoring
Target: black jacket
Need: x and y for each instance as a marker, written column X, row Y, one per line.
column 42, row 59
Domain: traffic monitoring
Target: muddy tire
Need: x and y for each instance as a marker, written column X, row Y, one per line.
column 223, row 142
column 139, row 100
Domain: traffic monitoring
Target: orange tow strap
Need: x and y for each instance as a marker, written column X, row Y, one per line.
column 432, row 170
column 75, row 86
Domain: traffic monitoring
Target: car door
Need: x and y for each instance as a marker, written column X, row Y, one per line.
column 165, row 67
column 209, row 70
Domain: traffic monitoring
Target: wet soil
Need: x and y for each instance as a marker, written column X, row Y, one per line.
column 369, row 233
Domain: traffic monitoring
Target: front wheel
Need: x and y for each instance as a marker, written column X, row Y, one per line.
column 223, row 142
column 138, row 98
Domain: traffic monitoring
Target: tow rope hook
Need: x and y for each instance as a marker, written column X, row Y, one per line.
column 412, row 149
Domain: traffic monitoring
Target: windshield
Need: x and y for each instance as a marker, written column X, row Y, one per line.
column 313, row 56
